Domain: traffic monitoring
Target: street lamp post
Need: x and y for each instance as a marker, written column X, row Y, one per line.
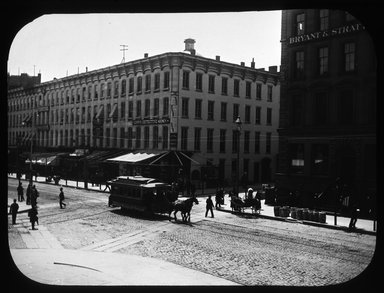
column 31, row 145
column 238, row 124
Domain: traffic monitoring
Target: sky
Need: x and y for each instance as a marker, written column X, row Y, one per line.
column 57, row 45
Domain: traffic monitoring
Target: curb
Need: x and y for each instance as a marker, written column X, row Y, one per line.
column 305, row 222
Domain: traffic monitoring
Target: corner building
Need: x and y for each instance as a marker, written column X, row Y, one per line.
column 173, row 101
column 328, row 107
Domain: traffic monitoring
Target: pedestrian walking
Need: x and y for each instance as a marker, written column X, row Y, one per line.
column 13, row 211
column 209, row 206
column 61, row 199
column 354, row 214
column 28, row 193
column 20, row 192
column 34, row 195
column 219, row 199
column 33, row 218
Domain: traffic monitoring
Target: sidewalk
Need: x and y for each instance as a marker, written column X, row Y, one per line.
column 362, row 225
column 80, row 267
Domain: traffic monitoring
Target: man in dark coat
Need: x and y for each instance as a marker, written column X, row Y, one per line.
column 61, row 198
column 354, row 215
column 209, row 206
column 29, row 193
column 34, row 195
column 20, row 192
column 13, row 211
column 33, row 216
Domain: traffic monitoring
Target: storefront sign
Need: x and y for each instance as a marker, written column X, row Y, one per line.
column 325, row 34
column 151, row 121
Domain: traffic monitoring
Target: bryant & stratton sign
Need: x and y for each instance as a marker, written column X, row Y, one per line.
column 325, row 34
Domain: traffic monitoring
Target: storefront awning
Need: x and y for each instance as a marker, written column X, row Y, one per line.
column 134, row 157
column 43, row 159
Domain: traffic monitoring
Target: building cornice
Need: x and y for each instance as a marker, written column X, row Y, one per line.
column 170, row 59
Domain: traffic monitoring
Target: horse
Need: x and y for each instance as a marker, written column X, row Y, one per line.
column 237, row 204
column 184, row 206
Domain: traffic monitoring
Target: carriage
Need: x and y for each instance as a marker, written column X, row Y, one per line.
column 238, row 204
column 141, row 194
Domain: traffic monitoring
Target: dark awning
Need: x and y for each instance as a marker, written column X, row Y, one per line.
column 102, row 156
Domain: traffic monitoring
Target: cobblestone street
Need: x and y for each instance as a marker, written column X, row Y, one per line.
column 241, row 249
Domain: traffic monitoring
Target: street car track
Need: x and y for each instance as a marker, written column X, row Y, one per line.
column 269, row 238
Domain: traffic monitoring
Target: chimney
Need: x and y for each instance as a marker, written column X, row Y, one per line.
column 86, row 69
column 242, row 63
column 145, row 55
column 272, row 69
column 189, row 46
column 253, row 63
column 217, row 58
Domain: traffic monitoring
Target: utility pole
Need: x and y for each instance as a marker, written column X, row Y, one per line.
column 124, row 48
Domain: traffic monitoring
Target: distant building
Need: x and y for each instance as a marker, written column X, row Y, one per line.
column 22, row 81
column 172, row 101
column 328, row 106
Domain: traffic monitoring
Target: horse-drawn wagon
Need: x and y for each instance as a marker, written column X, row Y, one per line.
column 238, row 204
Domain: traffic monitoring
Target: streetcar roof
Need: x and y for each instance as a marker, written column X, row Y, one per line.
column 141, row 181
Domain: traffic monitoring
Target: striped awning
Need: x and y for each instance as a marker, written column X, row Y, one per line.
column 134, row 157
column 42, row 159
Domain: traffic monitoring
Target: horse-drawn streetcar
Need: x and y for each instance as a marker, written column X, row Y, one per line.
column 141, row 194
column 148, row 195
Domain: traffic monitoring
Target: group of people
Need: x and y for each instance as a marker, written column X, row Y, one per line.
column 32, row 194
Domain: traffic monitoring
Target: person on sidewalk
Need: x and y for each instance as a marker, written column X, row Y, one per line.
column 13, row 211
column 209, row 206
column 219, row 198
column 61, row 198
column 28, row 193
column 20, row 192
column 32, row 214
column 354, row 214
column 34, row 195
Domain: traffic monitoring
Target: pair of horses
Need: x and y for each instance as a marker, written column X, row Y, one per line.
column 184, row 207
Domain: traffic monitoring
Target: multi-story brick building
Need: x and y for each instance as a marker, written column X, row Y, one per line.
column 328, row 105
column 172, row 101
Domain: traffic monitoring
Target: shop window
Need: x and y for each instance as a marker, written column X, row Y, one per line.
column 319, row 158
column 296, row 157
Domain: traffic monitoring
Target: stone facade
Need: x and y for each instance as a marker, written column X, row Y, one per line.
column 179, row 101
column 328, row 103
